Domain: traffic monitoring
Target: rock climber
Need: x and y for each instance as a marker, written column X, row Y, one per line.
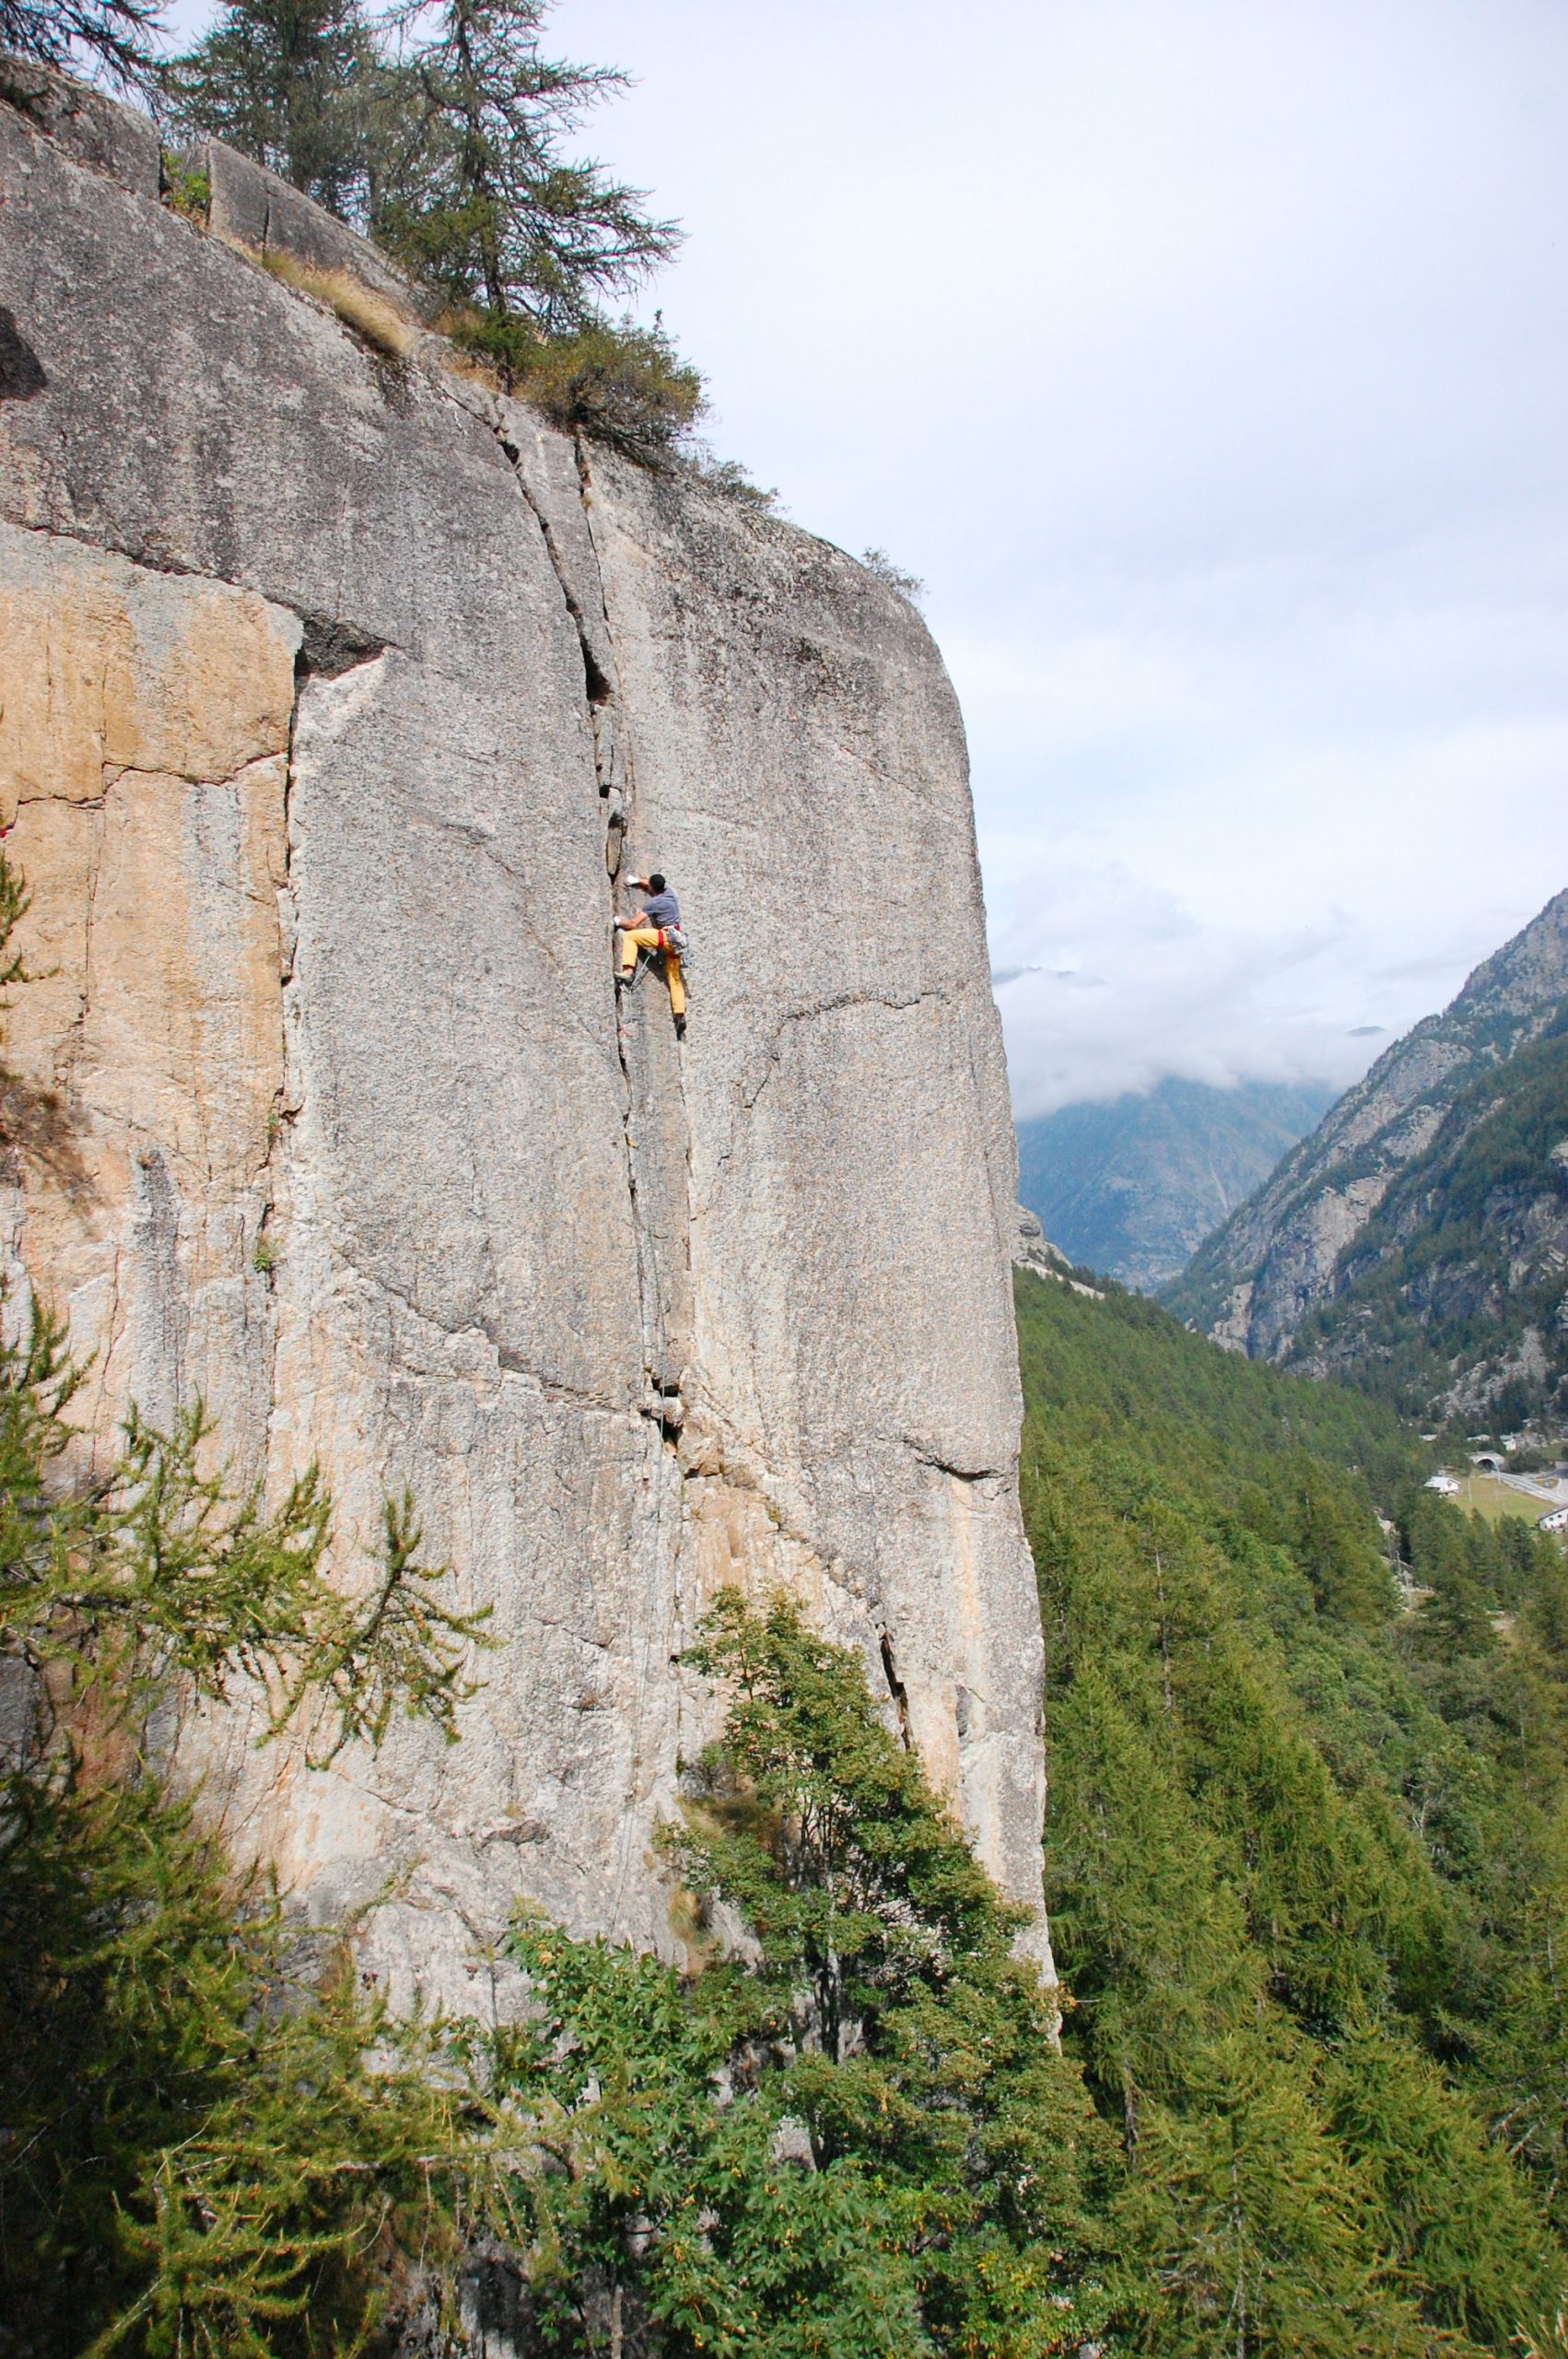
column 656, row 926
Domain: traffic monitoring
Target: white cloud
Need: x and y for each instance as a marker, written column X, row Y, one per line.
column 1269, row 833
column 1128, row 986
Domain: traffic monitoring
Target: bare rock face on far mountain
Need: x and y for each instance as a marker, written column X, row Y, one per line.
column 1292, row 1274
column 1133, row 1185
column 335, row 690
column 1032, row 1249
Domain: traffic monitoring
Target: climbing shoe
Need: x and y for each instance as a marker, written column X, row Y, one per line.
column 680, row 1028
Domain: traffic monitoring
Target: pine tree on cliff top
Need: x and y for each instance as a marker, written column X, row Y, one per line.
column 481, row 196
column 442, row 132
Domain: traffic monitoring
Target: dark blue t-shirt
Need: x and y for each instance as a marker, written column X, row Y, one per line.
column 661, row 910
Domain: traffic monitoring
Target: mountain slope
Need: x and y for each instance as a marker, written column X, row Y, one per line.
column 1298, row 1244
column 1132, row 1186
column 1452, row 1299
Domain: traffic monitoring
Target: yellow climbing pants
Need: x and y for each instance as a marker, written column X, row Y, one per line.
column 646, row 938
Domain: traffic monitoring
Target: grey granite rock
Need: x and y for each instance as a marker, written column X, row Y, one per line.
column 248, row 205
column 343, row 683
column 832, row 1152
column 83, row 124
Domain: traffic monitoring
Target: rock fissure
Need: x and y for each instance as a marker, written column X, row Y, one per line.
column 665, row 1409
column 65, row 528
column 342, row 643
column 969, row 1474
column 287, row 1097
column 101, row 1446
column 596, row 693
column 710, row 1464
column 75, row 801
column 746, row 1096
column 896, row 1690
column 650, row 1321
column 596, row 688
column 600, row 697
column 811, row 1014
column 880, row 778
column 330, row 645
column 89, row 905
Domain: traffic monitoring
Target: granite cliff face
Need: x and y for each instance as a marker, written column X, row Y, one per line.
column 335, row 686
column 1374, row 1165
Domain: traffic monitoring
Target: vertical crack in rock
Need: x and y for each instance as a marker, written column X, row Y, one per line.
column 662, row 1401
column 666, row 1373
column 898, row 1692
column 670, row 1412
column 284, row 1111
column 598, row 691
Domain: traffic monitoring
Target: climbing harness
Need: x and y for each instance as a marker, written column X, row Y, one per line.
column 674, row 940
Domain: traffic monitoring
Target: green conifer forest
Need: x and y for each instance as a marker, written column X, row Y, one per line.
column 1304, row 1850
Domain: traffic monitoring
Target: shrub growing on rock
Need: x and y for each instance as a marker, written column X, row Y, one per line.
column 624, row 385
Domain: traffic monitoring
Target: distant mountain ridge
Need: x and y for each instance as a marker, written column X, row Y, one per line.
column 1416, row 1242
column 1132, row 1186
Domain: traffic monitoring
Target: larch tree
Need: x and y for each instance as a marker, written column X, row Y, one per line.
column 481, row 197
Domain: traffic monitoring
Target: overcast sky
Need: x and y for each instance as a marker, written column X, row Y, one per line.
column 1208, row 360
